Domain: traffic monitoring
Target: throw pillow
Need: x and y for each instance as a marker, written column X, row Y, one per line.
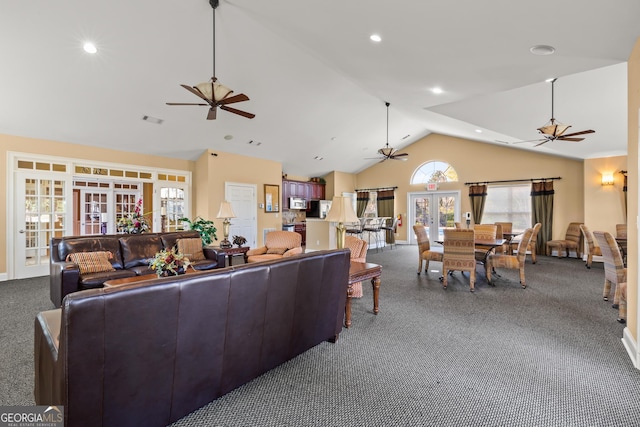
column 191, row 248
column 92, row 262
column 276, row 251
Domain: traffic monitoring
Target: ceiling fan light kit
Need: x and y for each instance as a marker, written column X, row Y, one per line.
column 215, row 94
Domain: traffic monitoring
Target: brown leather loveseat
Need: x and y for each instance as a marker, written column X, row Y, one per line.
column 130, row 254
column 152, row 352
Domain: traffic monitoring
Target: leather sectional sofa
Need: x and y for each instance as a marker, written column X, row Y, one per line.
column 150, row 353
column 130, row 257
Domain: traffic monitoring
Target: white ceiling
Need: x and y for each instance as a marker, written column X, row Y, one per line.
column 316, row 83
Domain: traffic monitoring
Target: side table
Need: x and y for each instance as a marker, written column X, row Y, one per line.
column 230, row 252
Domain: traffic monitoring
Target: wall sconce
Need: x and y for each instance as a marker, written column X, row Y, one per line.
column 607, row 178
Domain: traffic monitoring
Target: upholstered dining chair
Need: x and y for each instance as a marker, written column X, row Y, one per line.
column 592, row 248
column 425, row 251
column 358, row 248
column 614, row 271
column 484, row 232
column 621, row 231
column 511, row 261
column 572, row 242
column 278, row 244
column 459, row 254
column 507, row 227
column 532, row 247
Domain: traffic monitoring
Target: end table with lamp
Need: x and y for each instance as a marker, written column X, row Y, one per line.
column 226, row 213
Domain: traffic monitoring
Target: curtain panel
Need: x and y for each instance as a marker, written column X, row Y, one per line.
column 386, row 202
column 477, row 197
column 542, row 194
column 362, row 198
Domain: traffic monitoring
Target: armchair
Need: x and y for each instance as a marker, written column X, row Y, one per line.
column 572, row 242
column 358, row 248
column 278, row 244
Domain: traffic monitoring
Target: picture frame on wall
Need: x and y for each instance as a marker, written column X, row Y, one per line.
column 271, row 198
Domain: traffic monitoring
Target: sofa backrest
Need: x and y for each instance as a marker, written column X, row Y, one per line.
column 69, row 245
column 148, row 354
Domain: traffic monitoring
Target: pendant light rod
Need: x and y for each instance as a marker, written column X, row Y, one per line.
column 552, row 86
column 214, row 5
column 387, row 104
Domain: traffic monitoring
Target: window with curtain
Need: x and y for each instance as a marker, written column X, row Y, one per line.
column 508, row 203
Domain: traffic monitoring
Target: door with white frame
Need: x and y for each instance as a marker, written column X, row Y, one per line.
column 243, row 199
column 41, row 212
column 435, row 210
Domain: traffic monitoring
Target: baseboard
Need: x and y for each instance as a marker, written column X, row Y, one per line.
column 631, row 346
column 4, row 277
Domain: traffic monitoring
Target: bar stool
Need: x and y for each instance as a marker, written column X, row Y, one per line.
column 373, row 226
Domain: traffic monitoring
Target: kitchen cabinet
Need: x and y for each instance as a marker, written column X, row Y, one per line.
column 301, row 189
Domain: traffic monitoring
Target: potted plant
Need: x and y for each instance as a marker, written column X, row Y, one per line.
column 203, row 226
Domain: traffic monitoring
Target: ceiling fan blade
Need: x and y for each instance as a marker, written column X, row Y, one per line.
column 402, row 159
column 239, row 112
column 232, row 99
column 562, row 138
column 399, row 155
column 183, row 103
column 543, row 142
column 211, row 115
column 196, row 92
column 584, row 132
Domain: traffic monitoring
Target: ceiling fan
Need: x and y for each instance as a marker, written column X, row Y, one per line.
column 212, row 92
column 554, row 130
column 388, row 152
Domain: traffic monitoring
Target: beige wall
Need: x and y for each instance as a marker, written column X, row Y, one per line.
column 633, row 76
column 604, row 204
column 214, row 171
column 338, row 183
column 480, row 162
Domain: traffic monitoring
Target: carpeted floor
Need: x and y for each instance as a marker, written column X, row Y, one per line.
column 548, row 355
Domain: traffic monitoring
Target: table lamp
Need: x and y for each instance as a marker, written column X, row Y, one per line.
column 226, row 212
column 341, row 211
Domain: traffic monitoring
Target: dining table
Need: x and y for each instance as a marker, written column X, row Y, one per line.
column 488, row 244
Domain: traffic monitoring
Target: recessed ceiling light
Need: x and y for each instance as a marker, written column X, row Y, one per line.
column 542, row 49
column 228, row 137
column 375, row 37
column 437, row 90
column 90, row 47
column 479, row 130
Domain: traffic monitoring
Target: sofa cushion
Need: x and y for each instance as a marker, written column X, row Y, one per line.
column 91, row 244
column 138, row 249
column 169, row 239
column 191, row 248
column 92, row 262
column 96, row 280
column 276, row 251
column 205, row 264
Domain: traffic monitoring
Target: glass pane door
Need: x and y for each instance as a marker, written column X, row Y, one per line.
column 436, row 211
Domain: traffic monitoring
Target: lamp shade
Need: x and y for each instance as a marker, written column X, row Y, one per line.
column 341, row 210
column 226, row 211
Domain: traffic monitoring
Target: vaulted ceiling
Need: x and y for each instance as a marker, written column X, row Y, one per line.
column 315, row 80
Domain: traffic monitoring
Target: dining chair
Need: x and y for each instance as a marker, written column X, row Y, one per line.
column 511, row 261
column 592, row 248
column 358, row 248
column 572, row 242
column 484, row 232
column 614, row 271
column 532, row 246
column 621, row 231
column 459, row 254
column 507, row 228
column 425, row 251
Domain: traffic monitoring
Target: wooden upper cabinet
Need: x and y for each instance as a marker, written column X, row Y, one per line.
column 304, row 190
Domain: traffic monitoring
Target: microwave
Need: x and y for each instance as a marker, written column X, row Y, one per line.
column 297, row 203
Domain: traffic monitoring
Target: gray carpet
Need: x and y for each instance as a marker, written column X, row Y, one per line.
column 548, row 355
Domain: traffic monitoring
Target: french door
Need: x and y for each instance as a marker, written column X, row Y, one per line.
column 434, row 210
column 41, row 214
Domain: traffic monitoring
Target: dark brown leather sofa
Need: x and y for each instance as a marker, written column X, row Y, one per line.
column 150, row 353
column 131, row 254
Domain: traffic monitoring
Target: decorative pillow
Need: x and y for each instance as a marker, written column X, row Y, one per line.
column 191, row 248
column 276, row 251
column 92, row 262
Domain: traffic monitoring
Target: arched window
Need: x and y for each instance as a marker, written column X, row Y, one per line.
column 434, row 172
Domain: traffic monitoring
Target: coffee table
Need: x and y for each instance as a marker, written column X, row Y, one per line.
column 141, row 278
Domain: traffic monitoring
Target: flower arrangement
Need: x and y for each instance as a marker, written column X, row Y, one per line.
column 169, row 262
column 134, row 222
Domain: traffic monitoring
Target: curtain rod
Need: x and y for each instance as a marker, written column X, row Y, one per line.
column 376, row 189
column 513, row 180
